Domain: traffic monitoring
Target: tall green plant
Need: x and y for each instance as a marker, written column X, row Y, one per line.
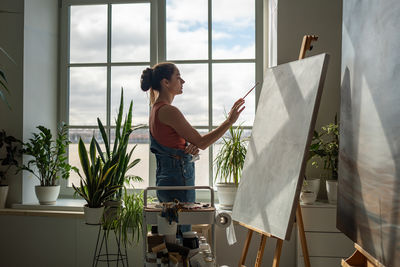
column 230, row 159
column 49, row 161
column 325, row 145
column 119, row 155
column 96, row 186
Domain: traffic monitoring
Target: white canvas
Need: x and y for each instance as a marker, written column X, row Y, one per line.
column 269, row 190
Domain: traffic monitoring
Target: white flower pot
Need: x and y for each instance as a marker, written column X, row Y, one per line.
column 312, row 185
column 226, row 195
column 308, row 197
column 3, row 196
column 164, row 228
column 331, row 190
column 47, row 195
column 93, row 215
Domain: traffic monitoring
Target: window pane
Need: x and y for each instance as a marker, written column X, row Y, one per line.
column 87, row 99
column 73, row 155
column 129, row 79
column 202, row 166
column 233, row 24
column 141, row 139
column 193, row 103
column 231, row 82
column 88, row 33
column 130, row 32
column 187, row 29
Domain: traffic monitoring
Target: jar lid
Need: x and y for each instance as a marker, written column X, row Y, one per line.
column 189, row 234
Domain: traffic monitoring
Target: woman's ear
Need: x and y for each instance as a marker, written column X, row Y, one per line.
column 164, row 83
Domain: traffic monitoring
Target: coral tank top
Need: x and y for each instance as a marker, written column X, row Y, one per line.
column 164, row 134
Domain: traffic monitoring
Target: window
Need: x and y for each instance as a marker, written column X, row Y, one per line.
column 106, row 45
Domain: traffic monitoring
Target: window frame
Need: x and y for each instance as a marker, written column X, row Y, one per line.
column 157, row 54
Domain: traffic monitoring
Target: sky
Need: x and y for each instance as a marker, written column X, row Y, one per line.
column 233, row 38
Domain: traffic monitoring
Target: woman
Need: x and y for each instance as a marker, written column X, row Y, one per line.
column 170, row 132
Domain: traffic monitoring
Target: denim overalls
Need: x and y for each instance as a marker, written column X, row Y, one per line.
column 174, row 168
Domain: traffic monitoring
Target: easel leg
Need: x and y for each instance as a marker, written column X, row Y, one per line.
column 277, row 255
column 260, row 252
column 302, row 235
column 245, row 248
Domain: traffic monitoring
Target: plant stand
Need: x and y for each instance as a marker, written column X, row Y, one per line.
column 107, row 256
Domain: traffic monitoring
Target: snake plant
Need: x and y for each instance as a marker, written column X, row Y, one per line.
column 96, row 185
column 118, row 155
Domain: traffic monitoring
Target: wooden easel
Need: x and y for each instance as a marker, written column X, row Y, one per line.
column 306, row 45
column 361, row 258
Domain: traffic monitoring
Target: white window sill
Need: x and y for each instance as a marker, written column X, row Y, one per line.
column 63, row 204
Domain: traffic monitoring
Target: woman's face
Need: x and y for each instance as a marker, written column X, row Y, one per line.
column 176, row 83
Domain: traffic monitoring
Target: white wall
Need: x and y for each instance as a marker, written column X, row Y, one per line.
column 40, row 74
column 324, row 19
column 48, row 242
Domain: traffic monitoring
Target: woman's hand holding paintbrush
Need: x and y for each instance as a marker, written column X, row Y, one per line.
column 237, row 107
column 232, row 117
column 252, row 88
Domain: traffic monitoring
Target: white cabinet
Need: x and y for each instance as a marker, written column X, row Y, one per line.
column 326, row 244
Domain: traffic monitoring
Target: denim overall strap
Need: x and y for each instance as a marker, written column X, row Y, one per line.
column 174, row 168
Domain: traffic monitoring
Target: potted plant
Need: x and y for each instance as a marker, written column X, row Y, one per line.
column 10, row 154
column 308, row 197
column 128, row 224
column 119, row 153
column 49, row 162
column 325, row 146
column 96, row 185
column 229, row 165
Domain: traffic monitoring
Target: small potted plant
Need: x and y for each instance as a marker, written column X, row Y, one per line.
column 128, row 223
column 325, row 146
column 49, row 162
column 10, row 154
column 96, row 185
column 229, row 165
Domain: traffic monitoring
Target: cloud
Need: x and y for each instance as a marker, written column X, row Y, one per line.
column 87, row 95
column 188, row 11
column 88, row 33
column 131, row 32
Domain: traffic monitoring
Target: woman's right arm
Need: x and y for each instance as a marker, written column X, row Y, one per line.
column 172, row 116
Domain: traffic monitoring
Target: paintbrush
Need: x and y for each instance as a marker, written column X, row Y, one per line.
column 251, row 89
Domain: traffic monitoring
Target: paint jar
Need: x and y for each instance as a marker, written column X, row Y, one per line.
column 203, row 245
column 190, row 240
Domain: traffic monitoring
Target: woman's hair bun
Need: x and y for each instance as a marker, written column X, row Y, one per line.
column 146, row 79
